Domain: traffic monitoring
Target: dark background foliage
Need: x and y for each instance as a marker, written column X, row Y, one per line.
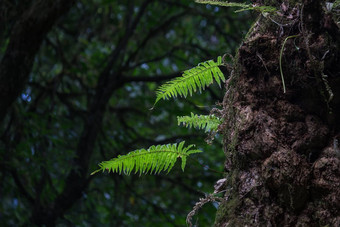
column 86, row 98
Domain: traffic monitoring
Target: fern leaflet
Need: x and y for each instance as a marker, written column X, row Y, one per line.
column 243, row 6
column 207, row 122
column 154, row 160
column 192, row 80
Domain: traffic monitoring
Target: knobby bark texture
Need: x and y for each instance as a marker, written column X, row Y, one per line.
column 26, row 37
column 282, row 153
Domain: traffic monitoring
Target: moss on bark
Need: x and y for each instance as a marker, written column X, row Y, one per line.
column 282, row 166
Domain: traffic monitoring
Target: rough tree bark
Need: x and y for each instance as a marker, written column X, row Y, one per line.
column 282, row 155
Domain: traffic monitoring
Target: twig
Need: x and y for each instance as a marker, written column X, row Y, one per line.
column 280, row 60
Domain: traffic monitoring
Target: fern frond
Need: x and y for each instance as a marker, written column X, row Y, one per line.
column 223, row 3
column 243, row 6
column 192, row 80
column 153, row 160
column 207, row 122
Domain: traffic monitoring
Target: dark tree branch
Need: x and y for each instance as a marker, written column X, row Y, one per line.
column 109, row 81
column 121, row 46
column 129, row 79
column 21, row 187
column 25, row 40
column 153, row 33
column 155, row 59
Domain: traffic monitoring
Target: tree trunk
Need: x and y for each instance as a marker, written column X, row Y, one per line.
column 24, row 42
column 282, row 153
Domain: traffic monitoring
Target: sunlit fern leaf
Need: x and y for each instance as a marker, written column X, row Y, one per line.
column 153, row 160
column 243, row 6
column 192, row 80
column 207, row 122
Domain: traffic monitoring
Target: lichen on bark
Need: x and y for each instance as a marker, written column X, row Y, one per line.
column 281, row 162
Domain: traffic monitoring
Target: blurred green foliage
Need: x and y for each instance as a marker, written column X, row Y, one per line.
column 43, row 128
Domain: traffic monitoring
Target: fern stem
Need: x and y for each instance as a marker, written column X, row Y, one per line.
column 280, row 60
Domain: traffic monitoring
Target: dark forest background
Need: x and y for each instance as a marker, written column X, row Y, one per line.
column 86, row 74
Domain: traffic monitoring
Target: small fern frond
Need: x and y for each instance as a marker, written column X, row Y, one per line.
column 243, row 6
column 192, row 80
column 207, row 122
column 223, row 3
column 153, row 160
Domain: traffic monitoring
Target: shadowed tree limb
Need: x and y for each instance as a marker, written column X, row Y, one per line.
column 25, row 40
column 78, row 179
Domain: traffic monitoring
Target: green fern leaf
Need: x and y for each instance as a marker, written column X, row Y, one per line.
column 223, row 3
column 243, row 6
column 192, row 80
column 207, row 122
column 153, row 160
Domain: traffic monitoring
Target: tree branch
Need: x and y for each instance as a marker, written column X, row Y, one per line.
column 109, row 81
column 21, row 187
column 152, row 33
column 156, row 78
column 25, row 40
